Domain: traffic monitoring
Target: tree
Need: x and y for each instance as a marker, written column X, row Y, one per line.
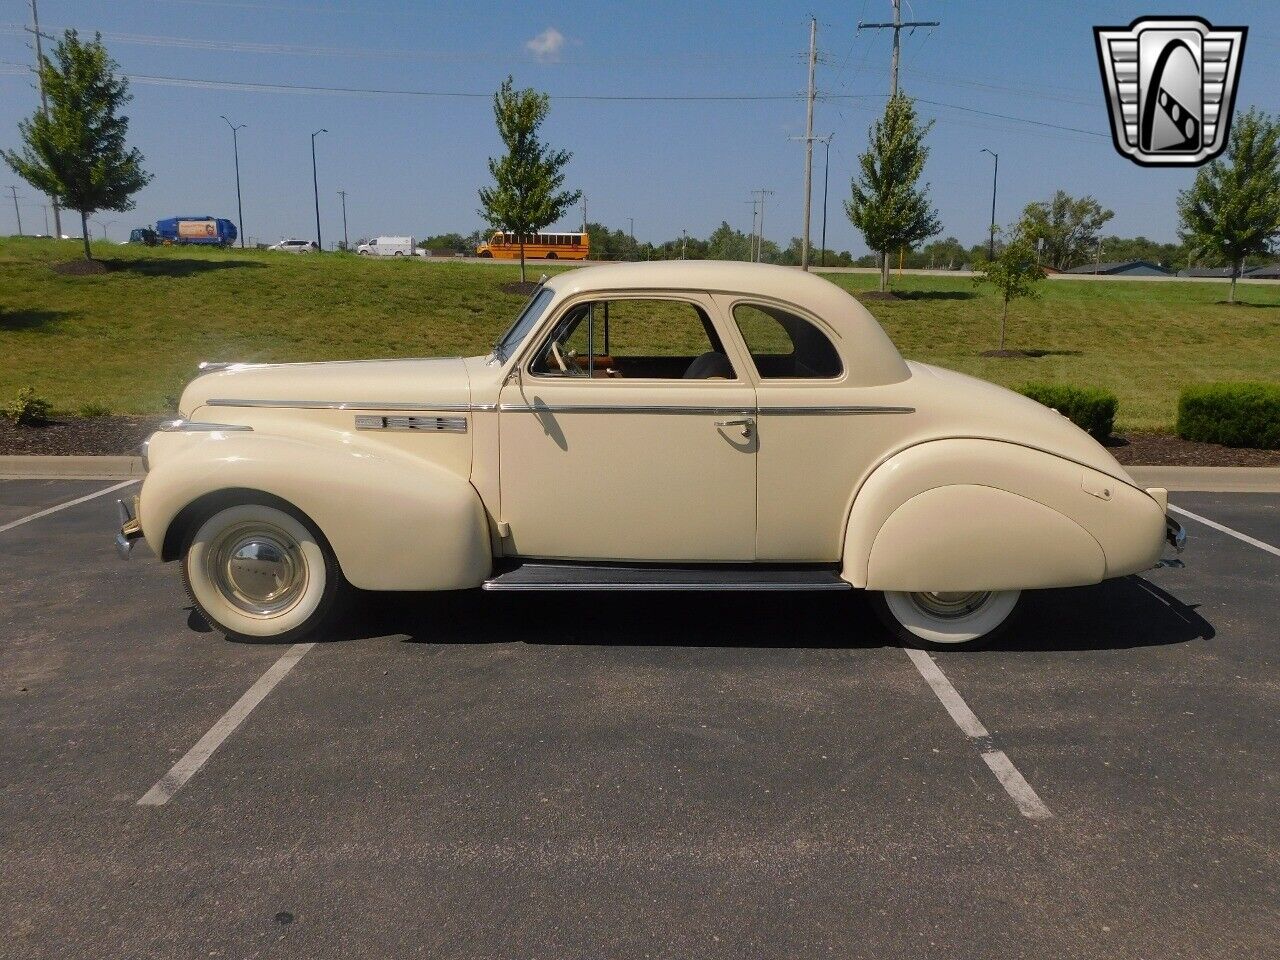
column 1066, row 228
column 526, row 195
column 1232, row 210
column 77, row 152
column 885, row 204
column 1014, row 272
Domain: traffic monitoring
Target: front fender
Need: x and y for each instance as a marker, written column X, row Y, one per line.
column 971, row 514
column 394, row 524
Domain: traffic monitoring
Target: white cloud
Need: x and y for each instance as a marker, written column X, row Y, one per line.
column 547, row 45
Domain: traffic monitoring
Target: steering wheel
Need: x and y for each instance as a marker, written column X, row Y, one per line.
column 567, row 361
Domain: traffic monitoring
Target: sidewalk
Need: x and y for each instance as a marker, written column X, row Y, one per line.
column 1205, row 479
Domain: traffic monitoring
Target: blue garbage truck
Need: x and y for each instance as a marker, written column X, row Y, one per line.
column 206, row 231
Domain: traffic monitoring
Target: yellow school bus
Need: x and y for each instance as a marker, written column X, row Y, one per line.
column 537, row 246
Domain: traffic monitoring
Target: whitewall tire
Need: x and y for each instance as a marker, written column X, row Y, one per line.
column 257, row 572
column 945, row 619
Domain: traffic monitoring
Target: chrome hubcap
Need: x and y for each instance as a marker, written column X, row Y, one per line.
column 258, row 568
column 951, row 606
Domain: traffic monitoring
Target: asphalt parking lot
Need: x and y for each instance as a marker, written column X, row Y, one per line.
column 517, row 775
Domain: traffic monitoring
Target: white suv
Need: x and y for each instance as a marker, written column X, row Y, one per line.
column 295, row 246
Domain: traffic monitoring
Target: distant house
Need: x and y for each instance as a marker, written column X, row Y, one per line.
column 1122, row 268
column 1269, row 271
column 1207, row 273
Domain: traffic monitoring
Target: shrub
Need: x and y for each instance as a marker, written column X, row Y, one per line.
column 1090, row 408
column 27, row 409
column 1233, row 414
column 95, row 408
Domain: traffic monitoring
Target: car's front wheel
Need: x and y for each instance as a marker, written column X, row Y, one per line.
column 941, row 619
column 257, row 572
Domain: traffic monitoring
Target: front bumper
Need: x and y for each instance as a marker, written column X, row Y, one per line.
column 1174, row 534
column 130, row 527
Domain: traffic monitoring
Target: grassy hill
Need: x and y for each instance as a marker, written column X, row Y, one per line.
column 129, row 338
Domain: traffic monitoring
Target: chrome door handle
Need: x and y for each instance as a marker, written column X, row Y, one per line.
column 746, row 423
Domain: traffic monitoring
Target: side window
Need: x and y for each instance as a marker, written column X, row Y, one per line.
column 784, row 346
column 634, row 339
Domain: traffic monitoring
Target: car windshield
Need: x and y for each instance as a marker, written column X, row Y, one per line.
column 528, row 318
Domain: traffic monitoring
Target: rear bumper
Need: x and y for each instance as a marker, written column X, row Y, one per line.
column 130, row 527
column 1174, row 534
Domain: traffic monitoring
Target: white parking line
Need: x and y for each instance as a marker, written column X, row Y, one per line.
column 69, row 503
column 195, row 758
column 1227, row 530
column 1015, row 784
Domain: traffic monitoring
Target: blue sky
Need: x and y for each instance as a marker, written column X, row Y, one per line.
column 412, row 164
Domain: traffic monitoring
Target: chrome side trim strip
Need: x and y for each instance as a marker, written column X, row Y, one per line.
column 832, row 411
column 420, row 424
column 197, row 426
column 590, row 408
column 555, row 408
column 716, row 411
column 345, row 405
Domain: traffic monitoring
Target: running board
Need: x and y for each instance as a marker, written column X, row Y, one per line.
column 741, row 577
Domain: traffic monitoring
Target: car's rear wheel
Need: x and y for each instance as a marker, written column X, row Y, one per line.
column 942, row 619
column 259, row 572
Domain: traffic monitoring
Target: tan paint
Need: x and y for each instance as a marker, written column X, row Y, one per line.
column 637, row 480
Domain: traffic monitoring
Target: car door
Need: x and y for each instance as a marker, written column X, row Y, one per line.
column 627, row 433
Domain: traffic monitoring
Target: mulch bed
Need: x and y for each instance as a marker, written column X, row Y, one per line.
column 1158, row 449
column 80, row 268
column 523, row 288
column 79, row 436
column 120, row 436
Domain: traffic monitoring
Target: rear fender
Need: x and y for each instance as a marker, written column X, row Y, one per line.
column 394, row 524
column 969, row 514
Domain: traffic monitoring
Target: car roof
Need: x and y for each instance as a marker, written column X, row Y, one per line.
column 868, row 352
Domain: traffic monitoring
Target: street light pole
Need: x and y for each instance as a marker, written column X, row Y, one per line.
column 235, row 149
column 826, row 181
column 16, row 212
column 315, row 184
column 343, row 195
column 995, row 175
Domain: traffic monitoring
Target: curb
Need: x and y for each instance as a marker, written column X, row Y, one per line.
column 1176, row 479
column 70, row 468
column 1209, row 479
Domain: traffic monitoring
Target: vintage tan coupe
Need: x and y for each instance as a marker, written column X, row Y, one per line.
column 676, row 426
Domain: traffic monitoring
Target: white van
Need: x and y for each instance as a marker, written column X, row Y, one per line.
column 387, row 247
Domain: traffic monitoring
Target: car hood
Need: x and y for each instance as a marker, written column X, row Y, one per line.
column 352, row 383
column 967, row 406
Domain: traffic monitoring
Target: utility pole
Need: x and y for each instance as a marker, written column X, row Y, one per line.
column 760, row 243
column 584, row 213
column 315, row 183
column 995, row 175
column 235, row 148
column 755, row 210
column 808, row 143
column 897, row 27
column 16, row 211
column 684, row 244
column 34, row 30
column 45, row 208
column 345, row 244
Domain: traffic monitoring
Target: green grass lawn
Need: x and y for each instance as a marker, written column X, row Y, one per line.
column 129, row 339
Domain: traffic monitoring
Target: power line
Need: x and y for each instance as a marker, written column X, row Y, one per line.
column 251, row 87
